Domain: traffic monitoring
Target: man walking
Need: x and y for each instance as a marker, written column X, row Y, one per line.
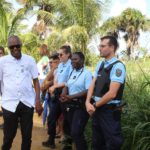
column 17, row 73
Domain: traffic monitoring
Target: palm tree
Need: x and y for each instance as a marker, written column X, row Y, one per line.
column 9, row 23
column 78, row 19
column 131, row 22
column 31, row 44
column 81, row 17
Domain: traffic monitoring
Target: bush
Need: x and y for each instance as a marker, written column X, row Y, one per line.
column 136, row 122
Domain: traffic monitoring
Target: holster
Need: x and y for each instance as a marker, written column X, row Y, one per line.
column 75, row 104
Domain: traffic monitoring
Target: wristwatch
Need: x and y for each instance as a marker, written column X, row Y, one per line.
column 94, row 104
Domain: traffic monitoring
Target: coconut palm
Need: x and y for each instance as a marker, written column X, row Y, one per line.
column 131, row 22
column 9, row 23
column 72, row 17
column 76, row 15
column 31, row 43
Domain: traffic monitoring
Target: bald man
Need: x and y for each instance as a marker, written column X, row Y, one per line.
column 17, row 73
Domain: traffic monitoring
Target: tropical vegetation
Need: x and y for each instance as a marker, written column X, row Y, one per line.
column 76, row 22
column 131, row 22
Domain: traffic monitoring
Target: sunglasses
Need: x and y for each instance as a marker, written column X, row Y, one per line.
column 15, row 46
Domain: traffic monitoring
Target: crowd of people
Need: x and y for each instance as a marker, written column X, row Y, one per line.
column 71, row 94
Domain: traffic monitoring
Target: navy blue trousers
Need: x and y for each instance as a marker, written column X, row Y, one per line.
column 77, row 120
column 55, row 112
column 106, row 129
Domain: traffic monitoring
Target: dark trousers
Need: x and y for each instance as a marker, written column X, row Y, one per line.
column 24, row 115
column 106, row 129
column 55, row 111
column 77, row 120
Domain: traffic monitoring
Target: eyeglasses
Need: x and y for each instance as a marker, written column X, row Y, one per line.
column 102, row 46
column 14, row 46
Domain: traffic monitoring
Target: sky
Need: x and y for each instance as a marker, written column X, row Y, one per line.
column 119, row 5
column 116, row 7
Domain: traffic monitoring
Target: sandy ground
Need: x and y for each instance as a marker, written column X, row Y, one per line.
column 39, row 134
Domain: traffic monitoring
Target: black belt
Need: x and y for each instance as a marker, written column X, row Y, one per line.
column 114, row 106
column 111, row 106
column 75, row 104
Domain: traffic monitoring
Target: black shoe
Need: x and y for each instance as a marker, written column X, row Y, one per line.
column 67, row 148
column 48, row 143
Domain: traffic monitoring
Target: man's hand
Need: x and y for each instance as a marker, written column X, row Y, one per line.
column 38, row 108
column 89, row 108
column 65, row 98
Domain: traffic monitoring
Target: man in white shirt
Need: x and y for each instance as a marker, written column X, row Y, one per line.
column 17, row 71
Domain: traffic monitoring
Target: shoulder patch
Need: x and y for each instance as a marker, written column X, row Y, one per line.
column 118, row 72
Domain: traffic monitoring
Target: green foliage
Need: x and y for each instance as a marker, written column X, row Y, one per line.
column 77, row 36
column 55, row 41
column 91, row 59
column 30, row 45
column 131, row 22
column 10, row 21
column 136, row 122
column 69, row 18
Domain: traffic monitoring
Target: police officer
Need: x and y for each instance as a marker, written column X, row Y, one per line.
column 107, row 90
column 59, row 82
column 74, row 95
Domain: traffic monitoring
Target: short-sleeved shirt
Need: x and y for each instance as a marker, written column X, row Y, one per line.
column 63, row 71
column 43, row 72
column 117, row 73
column 16, row 78
column 79, row 81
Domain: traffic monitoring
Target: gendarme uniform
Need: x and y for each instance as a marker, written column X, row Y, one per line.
column 77, row 117
column 106, row 120
column 63, row 71
column 79, row 81
column 61, row 76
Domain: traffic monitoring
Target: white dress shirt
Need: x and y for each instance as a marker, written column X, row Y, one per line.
column 16, row 78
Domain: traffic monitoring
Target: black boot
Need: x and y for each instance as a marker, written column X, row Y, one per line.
column 67, row 144
column 49, row 143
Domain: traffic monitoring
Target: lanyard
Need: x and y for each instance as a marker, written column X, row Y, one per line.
column 75, row 77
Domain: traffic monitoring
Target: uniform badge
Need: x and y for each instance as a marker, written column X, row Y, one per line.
column 118, row 72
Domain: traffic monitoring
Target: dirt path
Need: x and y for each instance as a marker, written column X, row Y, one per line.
column 39, row 134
